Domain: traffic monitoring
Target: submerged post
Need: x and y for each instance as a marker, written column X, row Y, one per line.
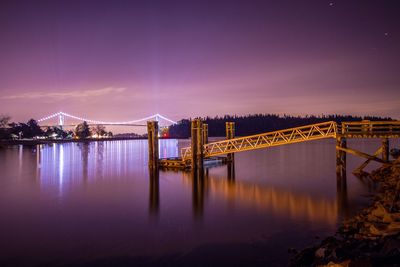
column 197, row 144
column 154, row 191
column 385, row 149
column 198, row 192
column 340, row 158
column 230, row 134
column 152, row 133
column 231, row 171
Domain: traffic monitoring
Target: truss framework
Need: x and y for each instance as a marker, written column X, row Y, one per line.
column 269, row 139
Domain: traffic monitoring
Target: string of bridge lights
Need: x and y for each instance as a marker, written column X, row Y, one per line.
column 106, row 122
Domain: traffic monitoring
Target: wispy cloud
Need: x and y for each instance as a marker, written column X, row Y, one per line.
column 65, row 95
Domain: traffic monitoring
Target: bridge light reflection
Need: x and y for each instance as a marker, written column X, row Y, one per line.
column 61, row 167
column 285, row 203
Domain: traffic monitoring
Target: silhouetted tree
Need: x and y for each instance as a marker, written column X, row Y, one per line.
column 55, row 132
column 26, row 130
column 82, row 130
column 99, row 129
column 4, row 130
column 4, row 121
column 34, row 128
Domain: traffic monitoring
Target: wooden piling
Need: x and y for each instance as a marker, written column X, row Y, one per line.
column 152, row 133
column 385, row 149
column 341, row 158
column 230, row 134
column 344, row 155
column 197, row 144
column 205, row 133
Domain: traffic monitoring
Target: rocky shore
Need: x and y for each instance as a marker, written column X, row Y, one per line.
column 371, row 238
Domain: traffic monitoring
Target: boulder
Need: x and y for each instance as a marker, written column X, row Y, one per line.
column 379, row 210
column 320, row 253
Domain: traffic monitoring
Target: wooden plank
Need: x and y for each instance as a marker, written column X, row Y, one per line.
column 360, row 154
column 362, row 166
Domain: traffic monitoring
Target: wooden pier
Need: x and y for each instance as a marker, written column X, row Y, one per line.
column 201, row 151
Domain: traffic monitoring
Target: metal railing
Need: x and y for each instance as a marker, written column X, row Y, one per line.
column 269, row 139
column 330, row 129
column 371, row 128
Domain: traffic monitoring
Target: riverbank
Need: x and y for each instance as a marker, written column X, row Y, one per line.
column 30, row 142
column 51, row 141
column 371, row 238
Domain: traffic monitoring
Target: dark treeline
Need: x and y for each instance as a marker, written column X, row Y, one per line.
column 259, row 123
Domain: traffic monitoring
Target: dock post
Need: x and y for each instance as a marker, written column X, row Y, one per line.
column 340, row 159
column 197, row 144
column 230, row 134
column 152, row 134
column 385, row 149
column 205, row 133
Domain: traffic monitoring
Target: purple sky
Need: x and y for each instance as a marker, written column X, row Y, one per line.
column 123, row 60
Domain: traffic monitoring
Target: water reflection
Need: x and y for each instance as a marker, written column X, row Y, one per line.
column 99, row 157
column 52, row 161
column 168, row 148
column 105, row 195
column 154, row 191
column 342, row 197
column 85, row 149
column 71, row 164
column 231, row 171
column 271, row 199
column 199, row 188
column 61, row 167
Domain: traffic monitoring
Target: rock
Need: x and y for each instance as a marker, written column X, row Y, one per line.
column 373, row 230
column 379, row 211
column 341, row 264
column 360, row 263
column 387, row 218
column 320, row 253
column 391, row 247
column 304, row 258
column 393, row 228
column 395, row 153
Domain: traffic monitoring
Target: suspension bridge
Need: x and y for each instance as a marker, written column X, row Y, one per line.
column 61, row 117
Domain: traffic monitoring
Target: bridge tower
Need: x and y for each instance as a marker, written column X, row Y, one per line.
column 160, row 128
column 61, row 120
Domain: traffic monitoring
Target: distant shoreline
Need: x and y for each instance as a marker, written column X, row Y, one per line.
column 60, row 141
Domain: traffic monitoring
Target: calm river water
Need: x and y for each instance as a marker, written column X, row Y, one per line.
column 96, row 204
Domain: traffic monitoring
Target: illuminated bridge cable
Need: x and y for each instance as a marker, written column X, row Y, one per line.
column 155, row 116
